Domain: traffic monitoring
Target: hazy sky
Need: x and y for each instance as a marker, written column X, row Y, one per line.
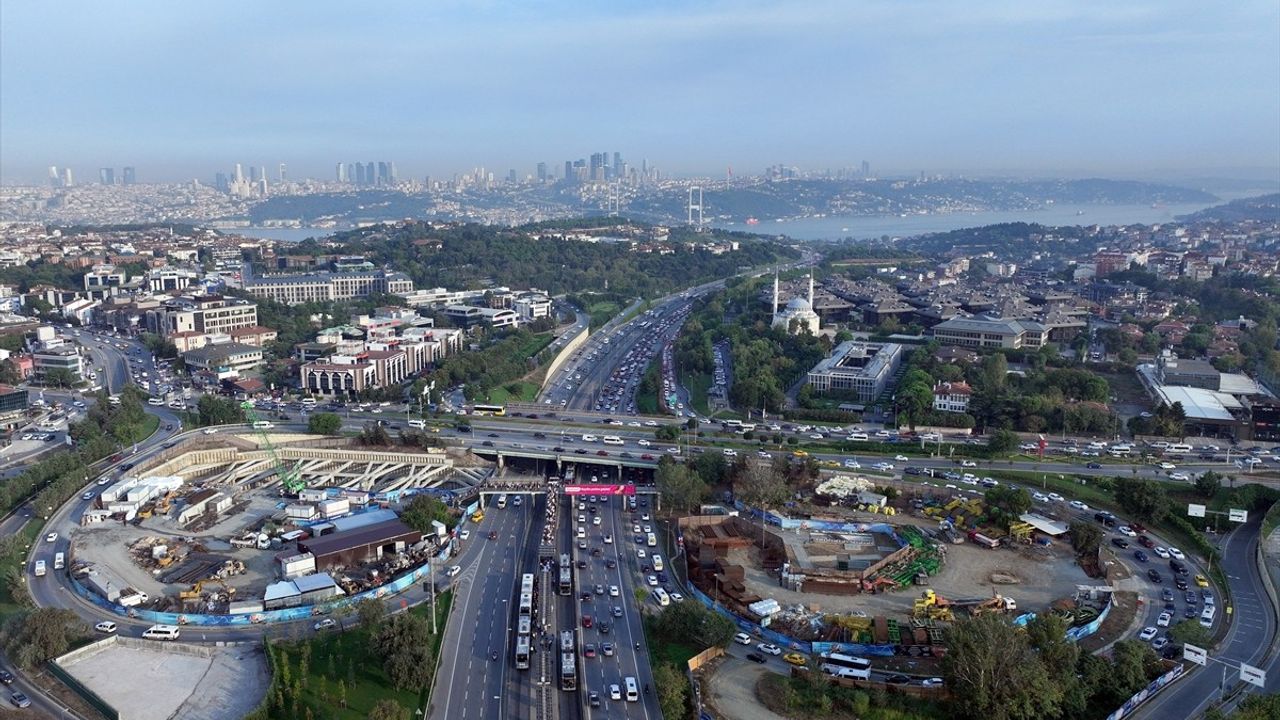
column 181, row 90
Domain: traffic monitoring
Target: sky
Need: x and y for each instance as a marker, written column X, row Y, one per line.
column 1113, row 88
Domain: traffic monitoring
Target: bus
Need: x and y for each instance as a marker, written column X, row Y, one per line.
column 502, row 500
column 845, row 666
column 566, row 575
column 526, row 584
column 495, row 410
column 526, row 604
column 525, row 626
column 568, row 662
column 522, row 652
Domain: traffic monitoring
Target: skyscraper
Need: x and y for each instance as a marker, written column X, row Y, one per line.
column 359, row 176
column 238, row 176
column 370, row 173
column 67, row 181
column 568, row 171
column 866, row 169
column 220, row 182
column 511, row 176
column 54, row 179
column 340, row 173
column 107, row 176
column 384, row 175
column 284, row 173
column 130, row 176
column 542, row 172
column 392, row 175
column 253, row 174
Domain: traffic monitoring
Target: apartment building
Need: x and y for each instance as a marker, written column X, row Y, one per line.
column 328, row 286
column 202, row 314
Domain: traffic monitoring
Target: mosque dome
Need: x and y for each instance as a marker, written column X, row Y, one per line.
column 798, row 303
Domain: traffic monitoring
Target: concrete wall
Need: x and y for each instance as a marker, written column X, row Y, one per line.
column 565, row 353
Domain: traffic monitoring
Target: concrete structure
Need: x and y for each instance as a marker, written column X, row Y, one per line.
column 225, row 359
column 206, row 314
column 53, row 359
column 469, row 315
column 1172, row 370
column 859, row 367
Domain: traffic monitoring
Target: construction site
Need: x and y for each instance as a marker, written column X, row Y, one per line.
column 242, row 523
column 885, row 574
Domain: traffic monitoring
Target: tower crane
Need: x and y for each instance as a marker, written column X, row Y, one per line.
column 290, row 478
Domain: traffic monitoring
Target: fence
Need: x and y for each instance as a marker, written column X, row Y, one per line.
column 1148, row 692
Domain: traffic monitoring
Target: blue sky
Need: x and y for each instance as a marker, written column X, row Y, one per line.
column 181, row 90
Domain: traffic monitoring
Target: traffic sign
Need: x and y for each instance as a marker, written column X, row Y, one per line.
column 1194, row 510
column 1235, row 515
column 1195, row 654
column 1253, row 675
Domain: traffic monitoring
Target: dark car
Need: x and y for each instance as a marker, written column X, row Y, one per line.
column 558, row 448
column 602, row 453
column 582, row 564
column 494, row 435
column 540, row 435
column 1191, row 598
column 580, row 451
column 1178, row 568
column 1120, row 543
column 897, row 679
column 1154, row 576
column 756, row 657
column 611, row 563
column 6, row 677
column 1166, row 594
column 913, row 471
column 1180, row 583
column 1139, row 556
column 584, row 597
column 464, row 428
column 1190, row 612
column 493, row 534
column 487, row 443
column 589, row 650
column 604, row 628
column 594, row 699
column 169, row 426
column 1145, row 541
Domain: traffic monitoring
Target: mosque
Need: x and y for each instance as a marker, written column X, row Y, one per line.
column 798, row 316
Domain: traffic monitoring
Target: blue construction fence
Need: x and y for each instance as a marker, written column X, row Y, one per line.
column 1148, row 692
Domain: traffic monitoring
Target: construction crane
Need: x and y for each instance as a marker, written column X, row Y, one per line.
column 291, row 480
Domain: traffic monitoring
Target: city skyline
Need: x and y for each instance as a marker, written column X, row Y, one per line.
column 1130, row 89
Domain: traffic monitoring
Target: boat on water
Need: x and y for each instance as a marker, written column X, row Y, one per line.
column 752, row 221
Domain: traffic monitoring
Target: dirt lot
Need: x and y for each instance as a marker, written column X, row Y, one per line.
column 1042, row 574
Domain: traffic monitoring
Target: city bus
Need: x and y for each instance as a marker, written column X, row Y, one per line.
column 525, row 626
column 495, row 410
column 502, row 500
column 522, row 652
column 568, row 662
column 845, row 666
column 566, row 575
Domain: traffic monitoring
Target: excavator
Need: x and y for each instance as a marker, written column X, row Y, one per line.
column 198, row 589
column 934, row 606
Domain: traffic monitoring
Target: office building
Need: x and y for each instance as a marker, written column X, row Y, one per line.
column 223, row 359
column 67, row 179
column 861, row 369
column 283, row 173
column 55, row 359
column 55, row 179
column 326, row 286
column 130, row 176
column 990, row 333
column 206, row 314
column 107, row 176
column 13, row 407
column 542, row 172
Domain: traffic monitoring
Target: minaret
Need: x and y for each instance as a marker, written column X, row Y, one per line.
column 775, row 296
column 810, row 291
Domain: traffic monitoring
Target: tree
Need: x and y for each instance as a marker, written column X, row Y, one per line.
column 1047, row 634
column 1141, row 497
column 1189, row 631
column 1208, row 484
column 59, row 377
column 1086, row 537
column 1008, row 503
column 386, row 709
column 324, row 424
column 213, row 410
column 404, row 644
column 994, row 674
column 374, row 434
column 761, row 484
column 681, row 488
column 914, row 402
column 371, row 613
column 694, row 623
column 422, row 510
column 995, row 368
column 667, row 433
column 1002, row 441
column 673, row 691
column 35, row 637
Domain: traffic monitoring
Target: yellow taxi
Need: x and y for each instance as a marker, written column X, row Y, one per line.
column 796, row 659
column 1202, row 581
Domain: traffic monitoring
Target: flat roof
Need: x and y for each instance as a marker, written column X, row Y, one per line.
column 1200, row 404
column 1044, row 524
column 359, row 537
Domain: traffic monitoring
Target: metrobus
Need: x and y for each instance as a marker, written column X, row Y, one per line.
column 502, row 500
column 568, row 662
column 526, row 584
column 566, row 575
column 845, row 666
column 526, row 604
column 496, row 410
column 525, row 626
column 522, row 652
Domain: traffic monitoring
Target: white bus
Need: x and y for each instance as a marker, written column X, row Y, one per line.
column 502, row 500
column 846, row 666
column 612, row 440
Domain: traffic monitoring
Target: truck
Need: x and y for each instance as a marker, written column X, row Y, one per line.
column 979, row 539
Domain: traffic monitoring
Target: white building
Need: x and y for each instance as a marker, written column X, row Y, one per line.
column 798, row 316
column 951, row 397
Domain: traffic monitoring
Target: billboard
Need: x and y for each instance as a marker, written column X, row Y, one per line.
column 599, row 489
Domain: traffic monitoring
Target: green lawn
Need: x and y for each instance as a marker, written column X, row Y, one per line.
column 149, row 426
column 535, row 344
column 344, row 657
column 698, row 384
column 602, row 312
column 517, row 391
column 677, row 654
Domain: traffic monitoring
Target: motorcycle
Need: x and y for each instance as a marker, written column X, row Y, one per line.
column 493, row 656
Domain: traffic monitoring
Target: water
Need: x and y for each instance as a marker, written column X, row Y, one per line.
column 874, row 226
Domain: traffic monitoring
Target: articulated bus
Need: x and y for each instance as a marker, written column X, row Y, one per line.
column 566, row 575
column 526, row 605
column 526, row 584
column 496, row 410
column 522, row 652
column 845, row 666
column 568, row 662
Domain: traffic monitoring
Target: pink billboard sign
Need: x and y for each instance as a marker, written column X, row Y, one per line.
column 599, row 489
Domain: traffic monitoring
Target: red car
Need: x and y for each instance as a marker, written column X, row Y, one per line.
column 602, row 453
column 587, row 621
column 1145, row 541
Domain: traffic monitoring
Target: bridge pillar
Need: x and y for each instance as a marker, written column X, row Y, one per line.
column 501, row 462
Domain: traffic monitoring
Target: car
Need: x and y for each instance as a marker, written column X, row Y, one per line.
column 20, row 700
column 325, row 624
column 604, row 628
column 795, row 659
column 614, row 591
column 1056, row 497
column 1175, row 552
column 1190, row 613
column 589, row 650
column 1191, row 598
column 608, row 539
column 587, row 621
column 1154, row 576
column 1159, row 643
column 51, row 537
column 87, row 495
column 966, row 463
column 1145, row 542
column 933, row 682
column 464, row 535
column 617, row 611
column 652, row 580
column 676, row 597
column 1202, row 581
column 1160, row 552
column 1168, row 466
column 1148, row 633
column 1076, row 504
column 6, row 677
column 599, row 589
column 742, row 638
column 756, row 658
column 1120, row 543
column 610, row 562
column 640, row 553
column 1207, row 595
column 904, row 458
column 614, row 692
column 106, row 626
column 1139, row 556
column 493, row 534
column 453, row 570
column 1039, row 497
column 897, row 679
column 1180, row 583
column 769, row 649
column 1126, row 530
column 1166, row 594
column 593, row 699
column 607, row 649
column 1164, row 619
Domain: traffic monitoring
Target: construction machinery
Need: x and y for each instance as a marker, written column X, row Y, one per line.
column 933, row 606
column 198, row 589
column 291, row 482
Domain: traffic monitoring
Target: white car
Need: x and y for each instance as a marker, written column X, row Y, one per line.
column 1126, row 530
column 614, row 591
column 1168, row 466
column 615, row 693
column 966, row 463
column 325, row 624
column 453, row 570
column 51, row 537
column 1076, row 504
column 465, row 535
column 852, row 464
column 901, row 458
column 1180, row 476
column 608, row 539
column 730, row 452
column 652, row 580
column 595, row 520
column 883, row 466
column 1039, row 497
column 742, row 639
column 677, row 597
column 1160, row 552
column 1175, row 552
column 642, row 442
column 640, row 553
column 769, row 649
column 1056, row 497
column 106, row 626
column 87, row 496
column 1148, row 633
column 635, row 529
column 1164, row 619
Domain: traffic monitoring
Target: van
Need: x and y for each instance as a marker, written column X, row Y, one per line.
column 633, row 691
column 419, row 424
column 657, row 562
column 263, row 425
column 59, row 561
column 612, row 440
column 161, row 632
column 155, row 401
column 662, row 597
column 1206, row 615
column 1178, row 448
column 858, row 437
